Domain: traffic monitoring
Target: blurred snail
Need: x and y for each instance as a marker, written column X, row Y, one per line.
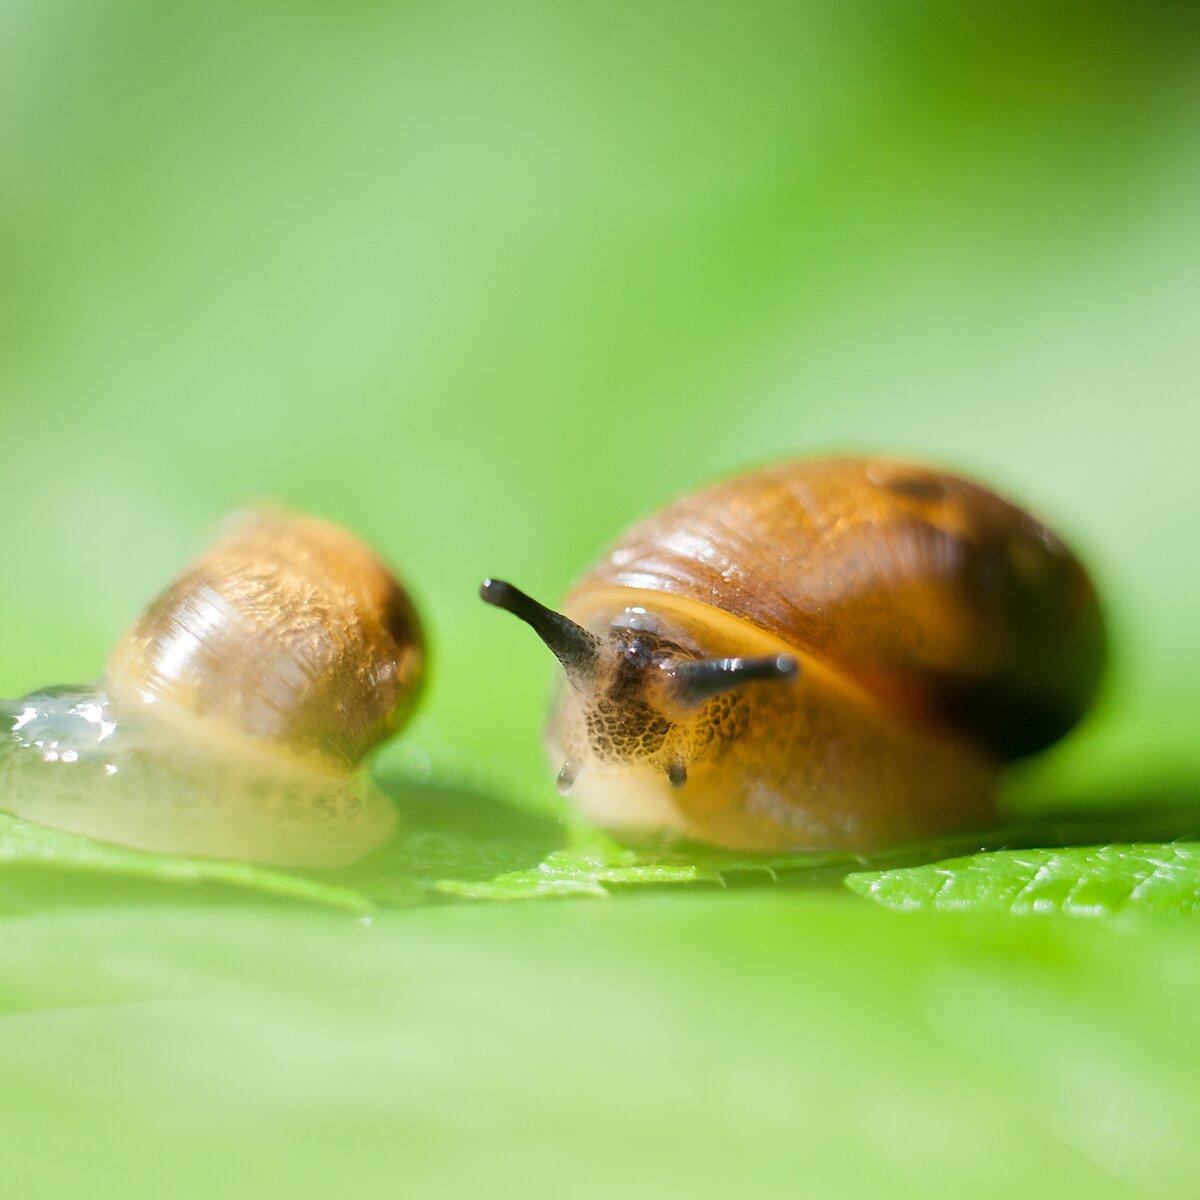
column 832, row 654
column 234, row 715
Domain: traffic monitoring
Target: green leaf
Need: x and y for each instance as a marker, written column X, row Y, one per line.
column 595, row 865
column 458, row 843
column 484, row 283
column 1079, row 880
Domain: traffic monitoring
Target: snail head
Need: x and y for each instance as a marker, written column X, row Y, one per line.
column 637, row 693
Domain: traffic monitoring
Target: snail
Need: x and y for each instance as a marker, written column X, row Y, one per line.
column 834, row 654
column 234, row 715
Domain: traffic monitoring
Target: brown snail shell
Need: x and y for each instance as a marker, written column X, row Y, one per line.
column 235, row 713
column 827, row 654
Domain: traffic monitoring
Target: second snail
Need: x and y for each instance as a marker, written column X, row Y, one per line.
column 235, row 714
column 829, row 654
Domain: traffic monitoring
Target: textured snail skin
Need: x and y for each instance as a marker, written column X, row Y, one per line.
column 235, row 712
column 939, row 632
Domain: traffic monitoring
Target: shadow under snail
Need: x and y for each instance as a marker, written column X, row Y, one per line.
column 827, row 654
column 234, row 715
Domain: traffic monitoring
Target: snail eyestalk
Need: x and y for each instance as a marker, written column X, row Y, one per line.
column 695, row 682
column 571, row 644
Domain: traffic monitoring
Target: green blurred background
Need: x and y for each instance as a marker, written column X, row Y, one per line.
column 484, row 282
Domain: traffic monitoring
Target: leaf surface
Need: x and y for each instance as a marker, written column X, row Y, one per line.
column 1079, row 880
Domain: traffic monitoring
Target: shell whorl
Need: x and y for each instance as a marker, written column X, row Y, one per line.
column 288, row 631
column 926, row 589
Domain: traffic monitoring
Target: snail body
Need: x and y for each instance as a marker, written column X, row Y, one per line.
column 234, row 715
column 827, row 654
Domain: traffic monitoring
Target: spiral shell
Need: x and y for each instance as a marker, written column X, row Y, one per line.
column 925, row 589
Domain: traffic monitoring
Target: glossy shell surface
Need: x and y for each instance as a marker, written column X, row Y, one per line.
column 946, row 602
column 288, row 632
